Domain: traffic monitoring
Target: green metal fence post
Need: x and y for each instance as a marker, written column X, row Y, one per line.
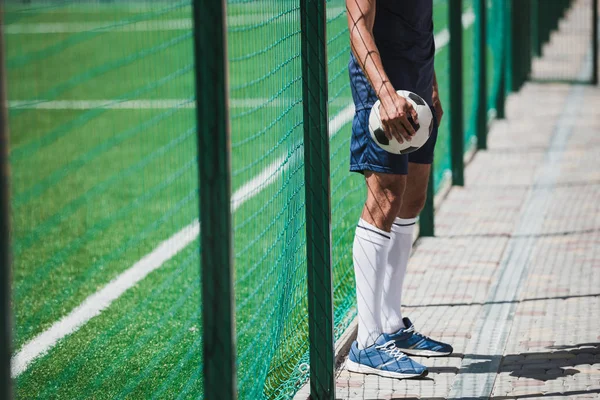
column 500, row 100
column 546, row 19
column 525, row 30
column 317, row 193
column 456, row 92
column 508, row 47
column 427, row 216
column 536, row 44
column 210, row 52
column 554, row 11
column 5, row 274
column 521, row 45
column 595, row 42
column 481, row 71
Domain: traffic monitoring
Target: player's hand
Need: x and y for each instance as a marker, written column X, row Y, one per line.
column 394, row 111
column 437, row 105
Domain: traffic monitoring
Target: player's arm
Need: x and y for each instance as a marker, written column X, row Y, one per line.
column 437, row 104
column 394, row 109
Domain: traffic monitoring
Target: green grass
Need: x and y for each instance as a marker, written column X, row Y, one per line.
column 95, row 190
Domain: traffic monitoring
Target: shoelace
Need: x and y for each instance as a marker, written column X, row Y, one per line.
column 412, row 330
column 392, row 350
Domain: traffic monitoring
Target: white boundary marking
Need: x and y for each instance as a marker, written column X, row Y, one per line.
column 105, row 26
column 97, row 302
column 102, row 104
column 443, row 37
column 181, row 24
column 115, row 104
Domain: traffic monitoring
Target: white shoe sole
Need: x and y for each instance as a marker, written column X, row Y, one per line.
column 363, row 369
column 424, row 353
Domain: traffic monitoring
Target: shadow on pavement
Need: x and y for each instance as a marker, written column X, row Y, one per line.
column 542, row 366
column 573, row 296
column 566, row 395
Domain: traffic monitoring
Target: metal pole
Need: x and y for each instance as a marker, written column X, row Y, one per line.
column 317, row 193
column 5, row 261
column 521, row 42
column 595, row 42
column 500, row 100
column 508, row 47
column 544, row 23
column 456, row 92
column 210, row 52
column 481, row 60
column 536, row 43
column 427, row 216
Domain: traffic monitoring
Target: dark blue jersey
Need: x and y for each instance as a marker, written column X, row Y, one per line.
column 403, row 32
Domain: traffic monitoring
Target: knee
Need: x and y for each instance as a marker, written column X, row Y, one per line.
column 413, row 206
column 384, row 198
column 383, row 206
column 390, row 202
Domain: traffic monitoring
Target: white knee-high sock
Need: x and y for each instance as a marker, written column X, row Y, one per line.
column 395, row 271
column 370, row 252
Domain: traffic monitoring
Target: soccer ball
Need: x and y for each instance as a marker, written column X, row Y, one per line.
column 422, row 130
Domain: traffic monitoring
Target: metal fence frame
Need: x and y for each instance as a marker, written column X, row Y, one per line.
column 318, row 199
column 542, row 19
column 210, row 49
column 5, row 251
column 214, row 170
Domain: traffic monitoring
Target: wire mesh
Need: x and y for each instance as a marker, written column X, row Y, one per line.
column 104, row 172
column 495, row 49
column 574, row 20
column 469, row 75
column 268, row 196
column 442, row 161
column 103, row 157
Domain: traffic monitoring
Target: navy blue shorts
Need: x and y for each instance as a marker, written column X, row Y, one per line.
column 365, row 154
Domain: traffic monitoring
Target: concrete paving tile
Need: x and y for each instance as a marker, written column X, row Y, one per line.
column 553, row 349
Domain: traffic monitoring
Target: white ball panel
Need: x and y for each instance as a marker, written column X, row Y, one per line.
column 393, row 146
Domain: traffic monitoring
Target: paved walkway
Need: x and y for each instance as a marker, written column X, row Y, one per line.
column 512, row 279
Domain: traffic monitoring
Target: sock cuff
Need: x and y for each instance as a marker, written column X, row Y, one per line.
column 371, row 232
column 404, row 225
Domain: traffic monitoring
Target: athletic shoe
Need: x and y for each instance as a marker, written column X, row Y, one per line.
column 384, row 359
column 411, row 342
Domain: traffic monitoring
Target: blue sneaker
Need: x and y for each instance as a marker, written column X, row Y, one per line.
column 384, row 359
column 409, row 341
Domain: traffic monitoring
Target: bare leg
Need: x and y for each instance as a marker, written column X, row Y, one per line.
column 415, row 194
column 384, row 198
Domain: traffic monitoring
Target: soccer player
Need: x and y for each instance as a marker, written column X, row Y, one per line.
column 392, row 49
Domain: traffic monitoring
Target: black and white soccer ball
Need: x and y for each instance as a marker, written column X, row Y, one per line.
column 422, row 131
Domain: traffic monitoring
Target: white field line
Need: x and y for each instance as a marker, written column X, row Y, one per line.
column 76, row 27
column 442, row 38
column 40, row 104
column 101, row 104
column 181, row 24
column 97, row 302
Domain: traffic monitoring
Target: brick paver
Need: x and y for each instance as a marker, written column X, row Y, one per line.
column 540, row 161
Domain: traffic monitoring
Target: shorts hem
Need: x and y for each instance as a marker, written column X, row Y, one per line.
column 361, row 168
column 425, row 162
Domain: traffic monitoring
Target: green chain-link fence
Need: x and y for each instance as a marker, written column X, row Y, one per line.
column 105, row 190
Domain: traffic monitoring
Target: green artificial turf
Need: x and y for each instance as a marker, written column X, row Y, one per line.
column 95, row 190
